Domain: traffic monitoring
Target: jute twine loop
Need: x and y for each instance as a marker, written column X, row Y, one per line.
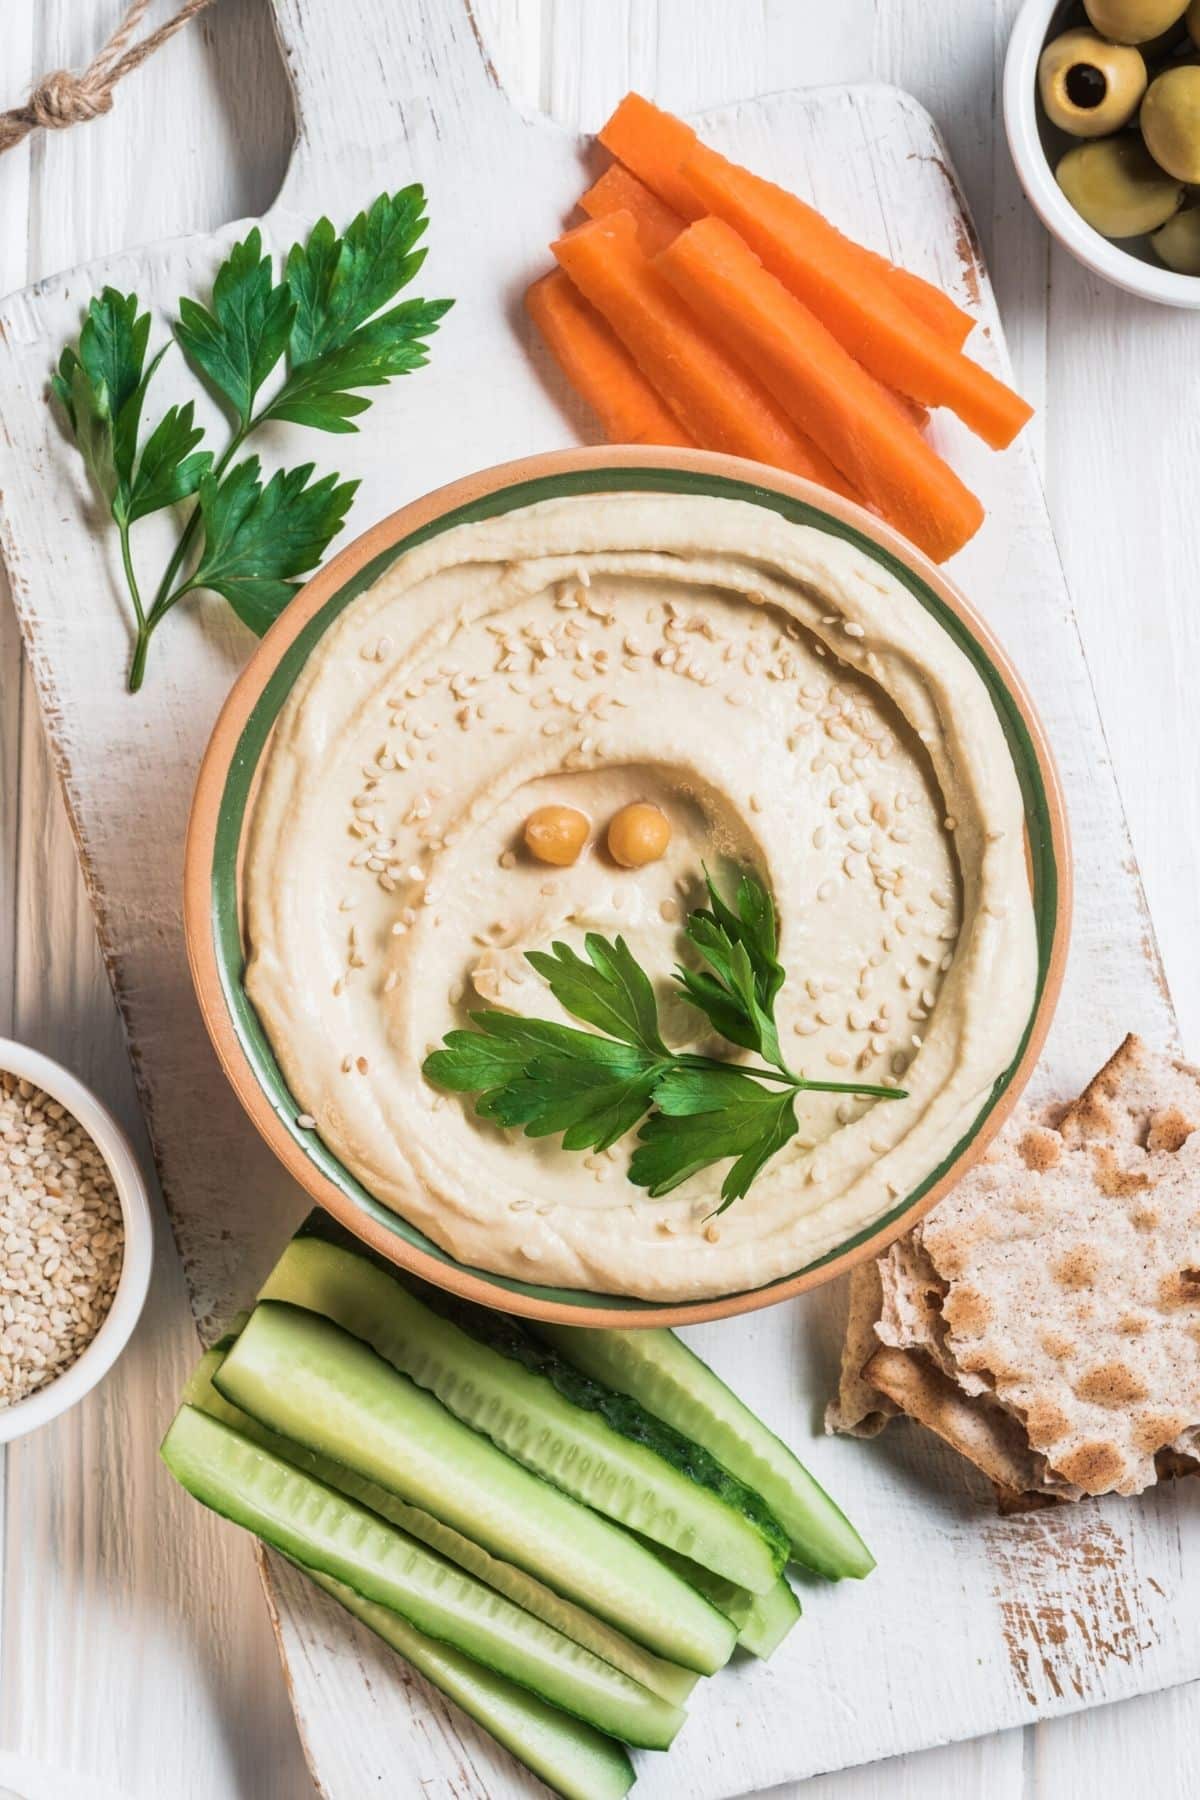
column 64, row 98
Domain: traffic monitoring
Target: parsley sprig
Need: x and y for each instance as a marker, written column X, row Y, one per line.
column 323, row 327
column 593, row 1087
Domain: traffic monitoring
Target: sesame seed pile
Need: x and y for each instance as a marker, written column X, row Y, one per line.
column 61, row 1239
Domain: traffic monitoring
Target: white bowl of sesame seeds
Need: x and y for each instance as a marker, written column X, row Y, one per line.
column 76, row 1240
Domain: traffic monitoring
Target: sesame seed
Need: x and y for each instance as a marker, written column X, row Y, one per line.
column 61, row 1239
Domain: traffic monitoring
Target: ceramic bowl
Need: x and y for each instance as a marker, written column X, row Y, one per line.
column 95, row 1362
column 225, row 789
column 1035, row 147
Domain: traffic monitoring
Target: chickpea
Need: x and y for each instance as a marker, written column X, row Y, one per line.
column 639, row 834
column 556, row 834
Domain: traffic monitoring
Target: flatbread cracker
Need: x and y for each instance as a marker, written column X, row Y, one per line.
column 980, row 1430
column 859, row 1408
column 1057, row 1289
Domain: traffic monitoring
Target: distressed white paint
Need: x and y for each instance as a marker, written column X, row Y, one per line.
column 138, row 1719
column 133, row 1644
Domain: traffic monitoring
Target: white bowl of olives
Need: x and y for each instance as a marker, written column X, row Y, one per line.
column 1102, row 112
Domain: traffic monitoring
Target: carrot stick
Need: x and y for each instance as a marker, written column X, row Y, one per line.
column 598, row 366
column 827, row 394
column 713, row 396
column 930, row 303
column 654, row 145
column 619, row 191
column 860, row 308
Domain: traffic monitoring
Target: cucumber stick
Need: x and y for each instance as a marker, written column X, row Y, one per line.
column 670, row 1381
column 322, row 1529
column 735, row 1602
column 762, row 1620
column 770, row 1618
column 314, row 1383
column 665, row 1678
column 601, row 1447
column 570, row 1757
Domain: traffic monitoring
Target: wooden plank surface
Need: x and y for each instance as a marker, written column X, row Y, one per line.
column 133, row 1642
column 582, row 57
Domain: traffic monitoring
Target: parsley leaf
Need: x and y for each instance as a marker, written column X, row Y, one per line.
column 170, row 467
column 705, row 1117
column 546, row 1077
column 476, row 1062
column 317, row 393
column 90, row 417
column 337, row 283
column 236, row 345
column 737, row 990
column 324, row 319
column 101, row 385
column 611, row 991
column 258, row 539
column 549, row 1078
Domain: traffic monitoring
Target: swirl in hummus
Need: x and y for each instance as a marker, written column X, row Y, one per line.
column 789, row 705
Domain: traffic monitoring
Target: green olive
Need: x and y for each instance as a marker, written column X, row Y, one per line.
column 1177, row 243
column 1089, row 87
column 1134, row 21
column 1170, row 121
column 1116, row 185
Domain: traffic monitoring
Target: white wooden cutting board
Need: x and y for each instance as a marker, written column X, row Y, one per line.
column 970, row 1623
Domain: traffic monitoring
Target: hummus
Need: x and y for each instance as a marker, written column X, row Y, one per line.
column 787, row 704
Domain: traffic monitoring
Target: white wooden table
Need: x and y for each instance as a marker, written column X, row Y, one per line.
column 135, row 1659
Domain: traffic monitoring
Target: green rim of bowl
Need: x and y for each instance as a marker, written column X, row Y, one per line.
column 231, row 816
